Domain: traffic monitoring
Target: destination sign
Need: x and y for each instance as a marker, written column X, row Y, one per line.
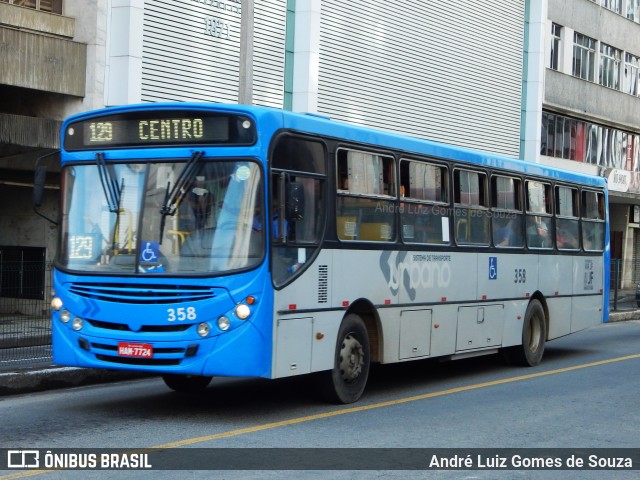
column 164, row 128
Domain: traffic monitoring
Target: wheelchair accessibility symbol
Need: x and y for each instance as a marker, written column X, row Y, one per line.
column 493, row 268
column 150, row 252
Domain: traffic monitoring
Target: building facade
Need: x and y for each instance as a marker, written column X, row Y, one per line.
column 591, row 108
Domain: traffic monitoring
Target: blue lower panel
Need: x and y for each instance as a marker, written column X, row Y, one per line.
column 240, row 352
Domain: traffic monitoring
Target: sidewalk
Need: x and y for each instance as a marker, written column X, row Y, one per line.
column 28, row 372
column 625, row 308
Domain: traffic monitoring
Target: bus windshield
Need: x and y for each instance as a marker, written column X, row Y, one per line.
column 195, row 217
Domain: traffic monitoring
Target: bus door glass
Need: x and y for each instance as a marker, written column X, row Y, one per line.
column 296, row 213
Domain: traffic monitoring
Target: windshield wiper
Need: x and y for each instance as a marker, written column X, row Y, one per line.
column 173, row 196
column 112, row 191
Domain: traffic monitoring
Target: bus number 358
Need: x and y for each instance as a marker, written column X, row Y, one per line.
column 181, row 314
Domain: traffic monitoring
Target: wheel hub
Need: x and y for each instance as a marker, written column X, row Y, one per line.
column 351, row 358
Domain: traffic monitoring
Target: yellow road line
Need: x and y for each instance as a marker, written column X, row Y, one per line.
column 348, row 410
column 390, row 403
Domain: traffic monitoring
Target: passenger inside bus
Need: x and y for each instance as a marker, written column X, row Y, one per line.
column 201, row 202
column 538, row 235
column 566, row 239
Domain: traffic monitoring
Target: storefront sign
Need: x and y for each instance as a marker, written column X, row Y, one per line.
column 619, row 180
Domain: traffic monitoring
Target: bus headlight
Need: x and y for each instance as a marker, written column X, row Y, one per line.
column 77, row 324
column 56, row 303
column 224, row 323
column 243, row 311
column 203, row 329
column 65, row 316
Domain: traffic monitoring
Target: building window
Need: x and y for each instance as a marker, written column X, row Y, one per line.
column 633, row 10
column 568, row 138
column 631, row 74
column 614, row 5
column 556, row 31
column 584, row 54
column 52, row 6
column 610, row 60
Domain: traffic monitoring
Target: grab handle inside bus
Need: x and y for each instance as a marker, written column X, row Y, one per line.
column 295, row 201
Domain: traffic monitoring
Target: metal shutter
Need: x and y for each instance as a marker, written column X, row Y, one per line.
column 181, row 62
column 268, row 52
column 447, row 71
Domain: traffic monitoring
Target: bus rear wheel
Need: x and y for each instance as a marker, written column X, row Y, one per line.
column 345, row 383
column 186, row 383
column 534, row 334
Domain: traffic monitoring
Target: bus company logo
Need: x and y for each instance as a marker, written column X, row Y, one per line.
column 415, row 271
column 23, row 459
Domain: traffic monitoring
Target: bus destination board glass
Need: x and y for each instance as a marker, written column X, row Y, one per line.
column 160, row 128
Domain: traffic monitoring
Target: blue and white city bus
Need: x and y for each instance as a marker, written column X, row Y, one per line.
column 202, row 240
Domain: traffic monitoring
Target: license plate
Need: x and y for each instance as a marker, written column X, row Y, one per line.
column 136, row 350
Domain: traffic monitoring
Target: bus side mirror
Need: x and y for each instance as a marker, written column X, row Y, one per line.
column 38, row 185
column 295, row 201
column 38, row 191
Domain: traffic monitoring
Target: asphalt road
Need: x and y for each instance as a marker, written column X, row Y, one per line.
column 585, row 394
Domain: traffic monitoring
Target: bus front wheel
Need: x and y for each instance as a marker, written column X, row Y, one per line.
column 186, row 383
column 345, row 383
column 534, row 334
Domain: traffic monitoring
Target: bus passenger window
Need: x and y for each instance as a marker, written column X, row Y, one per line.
column 424, row 212
column 506, row 212
column 539, row 210
column 567, row 229
column 365, row 204
column 593, row 221
column 472, row 217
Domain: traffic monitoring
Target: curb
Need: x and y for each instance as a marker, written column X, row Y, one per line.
column 48, row 378
column 624, row 316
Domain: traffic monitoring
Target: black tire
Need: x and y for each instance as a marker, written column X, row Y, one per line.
column 186, row 383
column 346, row 382
column 534, row 334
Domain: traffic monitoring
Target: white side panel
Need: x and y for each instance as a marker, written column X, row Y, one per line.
column 415, row 333
column 479, row 327
column 588, row 280
column 447, row 71
column 559, row 317
column 429, row 304
column 556, row 274
column 293, row 346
